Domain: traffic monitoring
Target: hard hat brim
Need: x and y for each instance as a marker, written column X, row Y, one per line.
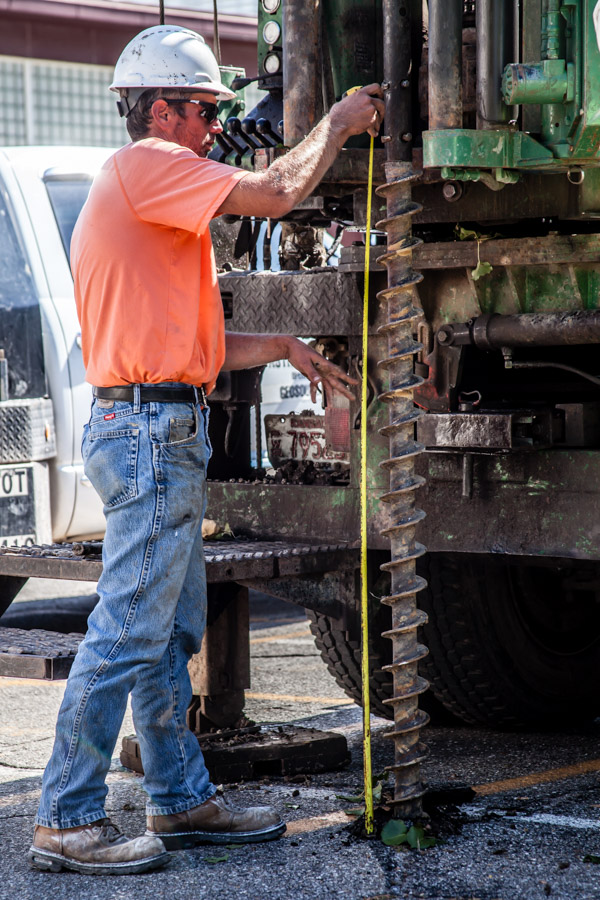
column 221, row 91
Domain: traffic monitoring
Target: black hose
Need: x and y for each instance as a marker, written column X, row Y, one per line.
column 552, row 365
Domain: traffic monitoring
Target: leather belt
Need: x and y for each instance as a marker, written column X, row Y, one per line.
column 151, row 394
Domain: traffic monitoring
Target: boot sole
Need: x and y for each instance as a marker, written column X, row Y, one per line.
column 183, row 840
column 54, row 862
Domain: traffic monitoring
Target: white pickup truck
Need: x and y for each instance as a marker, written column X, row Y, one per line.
column 44, row 398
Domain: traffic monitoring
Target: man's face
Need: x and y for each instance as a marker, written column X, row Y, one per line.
column 192, row 129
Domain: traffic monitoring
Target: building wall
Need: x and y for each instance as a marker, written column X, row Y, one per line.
column 57, row 59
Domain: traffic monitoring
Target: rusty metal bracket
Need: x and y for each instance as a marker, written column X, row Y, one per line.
column 508, row 430
column 333, row 594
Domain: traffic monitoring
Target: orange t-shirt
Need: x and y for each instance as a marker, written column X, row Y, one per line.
column 144, row 269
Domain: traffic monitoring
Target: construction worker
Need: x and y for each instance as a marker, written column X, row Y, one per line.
column 153, row 344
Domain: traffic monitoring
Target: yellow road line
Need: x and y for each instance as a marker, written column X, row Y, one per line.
column 294, row 698
column 549, row 775
column 31, row 681
column 277, row 621
column 281, row 637
column 302, row 826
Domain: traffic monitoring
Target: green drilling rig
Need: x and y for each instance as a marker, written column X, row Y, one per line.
column 483, row 366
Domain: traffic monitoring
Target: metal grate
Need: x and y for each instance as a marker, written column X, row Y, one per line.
column 26, row 430
column 37, row 653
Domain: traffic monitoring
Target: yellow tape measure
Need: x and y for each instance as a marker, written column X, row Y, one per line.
column 364, row 599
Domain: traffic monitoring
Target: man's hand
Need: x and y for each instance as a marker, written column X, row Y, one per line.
column 360, row 111
column 294, row 176
column 245, row 351
column 319, row 371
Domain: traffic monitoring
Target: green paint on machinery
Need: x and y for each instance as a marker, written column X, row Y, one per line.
column 565, row 87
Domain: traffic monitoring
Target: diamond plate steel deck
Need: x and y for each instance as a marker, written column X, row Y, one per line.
column 275, row 302
column 49, row 655
column 225, row 560
column 37, row 653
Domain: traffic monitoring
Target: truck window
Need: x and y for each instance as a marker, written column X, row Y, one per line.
column 20, row 321
column 16, row 282
column 67, row 195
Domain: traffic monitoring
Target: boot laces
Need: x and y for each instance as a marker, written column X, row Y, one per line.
column 109, row 831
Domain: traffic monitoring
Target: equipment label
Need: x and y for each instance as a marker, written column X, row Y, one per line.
column 13, row 482
column 17, row 540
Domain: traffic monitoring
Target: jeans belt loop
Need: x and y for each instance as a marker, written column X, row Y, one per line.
column 137, row 403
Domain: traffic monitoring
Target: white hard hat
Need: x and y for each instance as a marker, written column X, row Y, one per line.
column 167, row 56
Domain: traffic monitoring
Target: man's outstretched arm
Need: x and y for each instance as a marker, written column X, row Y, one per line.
column 245, row 351
column 292, row 177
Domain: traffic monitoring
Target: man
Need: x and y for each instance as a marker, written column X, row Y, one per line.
column 153, row 343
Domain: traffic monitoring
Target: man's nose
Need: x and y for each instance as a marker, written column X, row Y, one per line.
column 216, row 127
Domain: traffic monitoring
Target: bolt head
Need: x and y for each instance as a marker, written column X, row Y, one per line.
column 452, row 190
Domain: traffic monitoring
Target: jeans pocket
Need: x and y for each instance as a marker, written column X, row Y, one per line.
column 182, row 429
column 110, row 462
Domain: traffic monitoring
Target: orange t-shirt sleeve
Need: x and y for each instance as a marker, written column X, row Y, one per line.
column 182, row 191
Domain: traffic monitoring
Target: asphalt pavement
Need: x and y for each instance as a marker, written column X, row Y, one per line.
column 517, row 816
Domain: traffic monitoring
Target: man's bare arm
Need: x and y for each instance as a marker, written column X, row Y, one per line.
column 245, row 351
column 293, row 177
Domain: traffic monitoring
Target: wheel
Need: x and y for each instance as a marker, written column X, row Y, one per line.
column 513, row 644
column 9, row 588
column 341, row 655
column 339, row 647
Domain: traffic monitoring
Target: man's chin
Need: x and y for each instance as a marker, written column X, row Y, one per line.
column 204, row 150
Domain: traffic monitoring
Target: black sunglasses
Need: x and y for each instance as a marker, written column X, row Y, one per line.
column 209, row 111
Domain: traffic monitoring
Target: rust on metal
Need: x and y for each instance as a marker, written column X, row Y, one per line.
column 445, row 64
column 234, row 560
column 36, row 653
column 302, row 437
column 400, row 500
column 282, row 750
column 487, row 430
column 559, row 249
column 302, row 103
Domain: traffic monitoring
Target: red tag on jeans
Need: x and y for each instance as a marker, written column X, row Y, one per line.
column 109, row 416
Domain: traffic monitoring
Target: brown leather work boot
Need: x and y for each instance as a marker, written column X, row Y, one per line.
column 216, row 822
column 96, row 849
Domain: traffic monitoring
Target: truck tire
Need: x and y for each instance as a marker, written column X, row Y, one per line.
column 513, row 645
column 341, row 655
column 500, row 653
column 339, row 646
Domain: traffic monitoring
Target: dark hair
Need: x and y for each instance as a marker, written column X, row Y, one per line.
column 139, row 119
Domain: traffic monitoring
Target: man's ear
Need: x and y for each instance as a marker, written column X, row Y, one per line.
column 161, row 112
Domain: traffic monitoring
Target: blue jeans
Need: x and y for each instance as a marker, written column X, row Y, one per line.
column 148, row 464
